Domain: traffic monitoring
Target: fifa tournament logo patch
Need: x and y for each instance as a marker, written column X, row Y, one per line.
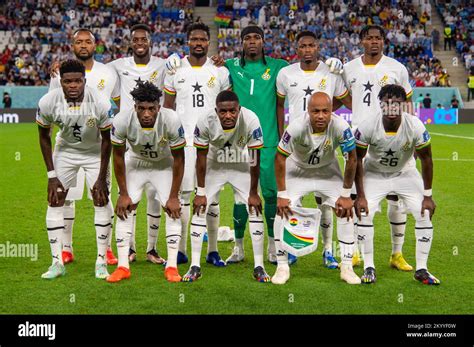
column 426, row 136
column 101, row 84
column 383, row 81
column 197, row 132
column 181, row 131
column 211, row 83
column 266, row 76
column 91, row 122
column 257, row 133
column 286, row 137
column 323, row 84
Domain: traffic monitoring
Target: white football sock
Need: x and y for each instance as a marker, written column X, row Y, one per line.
column 153, row 213
column 356, row 232
column 102, row 229
column 282, row 256
column 69, row 211
column 398, row 223
column 173, row 236
column 123, row 233
column 240, row 244
column 212, row 222
column 132, row 243
column 256, row 233
column 365, row 229
column 185, row 217
column 424, row 237
column 112, row 214
column 345, row 234
column 55, row 226
column 326, row 227
column 198, row 228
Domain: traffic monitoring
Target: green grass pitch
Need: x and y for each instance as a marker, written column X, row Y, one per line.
column 312, row 289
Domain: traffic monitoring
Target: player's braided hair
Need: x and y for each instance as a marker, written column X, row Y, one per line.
column 198, row 26
column 146, row 91
column 365, row 31
column 392, row 91
column 71, row 65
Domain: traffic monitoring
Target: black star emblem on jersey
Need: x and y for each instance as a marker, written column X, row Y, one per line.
column 76, row 127
column 197, row 87
column 308, row 91
column 147, row 146
column 389, row 153
column 139, row 80
column 227, row 144
column 368, row 86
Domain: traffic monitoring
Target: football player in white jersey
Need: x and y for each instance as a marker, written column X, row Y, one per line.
column 226, row 139
column 141, row 66
column 306, row 163
column 192, row 92
column 103, row 79
column 391, row 140
column 298, row 82
column 84, row 118
column 365, row 76
column 155, row 156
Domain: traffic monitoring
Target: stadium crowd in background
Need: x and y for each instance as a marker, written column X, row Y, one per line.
column 338, row 24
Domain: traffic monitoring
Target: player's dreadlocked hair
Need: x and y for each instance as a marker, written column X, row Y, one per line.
column 392, row 91
column 198, row 26
column 226, row 95
column 146, row 91
column 304, row 34
column 71, row 65
column 365, row 31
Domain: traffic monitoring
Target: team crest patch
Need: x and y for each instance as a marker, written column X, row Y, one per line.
column 293, row 221
column 406, row 146
column 327, row 144
column 383, row 81
column 266, row 76
column 91, row 122
column 101, row 84
column 211, row 83
column 323, row 84
column 153, row 77
column 241, row 141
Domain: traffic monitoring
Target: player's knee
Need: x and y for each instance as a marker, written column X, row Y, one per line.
column 270, row 199
column 185, row 197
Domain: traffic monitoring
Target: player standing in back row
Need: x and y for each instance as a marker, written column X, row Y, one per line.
column 365, row 76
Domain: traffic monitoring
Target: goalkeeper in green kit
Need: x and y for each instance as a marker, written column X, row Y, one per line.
column 253, row 79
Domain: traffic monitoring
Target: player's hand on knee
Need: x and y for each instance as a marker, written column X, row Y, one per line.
column 199, row 204
column 283, row 208
column 344, row 207
column 56, row 192
column 173, row 208
column 361, row 207
column 255, row 204
column 123, row 206
column 428, row 204
column 100, row 193
column 335, row 65
column 217, row 60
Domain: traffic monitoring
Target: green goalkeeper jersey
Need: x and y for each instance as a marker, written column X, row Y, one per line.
column 255, row 85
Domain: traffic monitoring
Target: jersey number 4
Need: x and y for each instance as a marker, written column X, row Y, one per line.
column 366, row 99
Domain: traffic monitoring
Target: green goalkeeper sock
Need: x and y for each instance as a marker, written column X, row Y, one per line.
column 240, row 220
column 270, row 212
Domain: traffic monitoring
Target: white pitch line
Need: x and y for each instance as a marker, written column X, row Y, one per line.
column 455, row 136
column 448, row 159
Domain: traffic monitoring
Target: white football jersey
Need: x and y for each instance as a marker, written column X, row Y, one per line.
column 196, row 89
column 149, row 144
column 229, row 146
column 365, row 82
column 316, row 150
column 101, row 77
column 391, row 152
column 298, row 85
column 80, row 126
column 129, row 73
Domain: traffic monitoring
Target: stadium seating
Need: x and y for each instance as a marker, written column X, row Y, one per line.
column 40, row 33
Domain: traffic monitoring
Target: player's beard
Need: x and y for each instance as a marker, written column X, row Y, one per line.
column 83, row 57
column 199, row 55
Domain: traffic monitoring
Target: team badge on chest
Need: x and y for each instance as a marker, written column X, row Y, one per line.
column 266, row 76
column 101, row 84
column 323, row 84
column 91, row 122
column 383, row 81
column 211, row 82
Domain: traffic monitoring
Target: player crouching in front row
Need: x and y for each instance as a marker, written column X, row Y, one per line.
column 156, row 140
column 312, row 167
column 225, row 140
column 391, row 142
